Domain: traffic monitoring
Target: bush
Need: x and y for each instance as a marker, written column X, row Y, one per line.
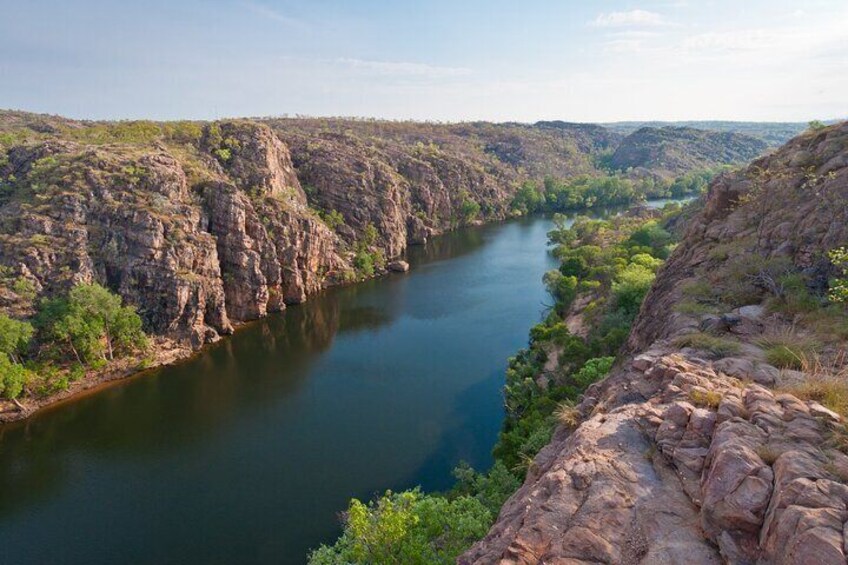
column 13, row 378
column 593, row 371
column 839, row 285
column 15, row 336
column 491, row 489
column 91, row 323
column 407, row 528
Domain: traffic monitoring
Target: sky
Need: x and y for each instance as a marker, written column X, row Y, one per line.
column 440, row 60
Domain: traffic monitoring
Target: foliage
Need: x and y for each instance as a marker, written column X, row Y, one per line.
column 333, row 219
column 407, row 528
column 593, row 371
column 15, row 336
column 91, row 323
column 13, row 378
column 491, row 488
column 839, row 285
column 604, row 191
column 469, row 208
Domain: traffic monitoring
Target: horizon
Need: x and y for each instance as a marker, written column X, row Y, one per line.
column 614, row 61
column 674, row 123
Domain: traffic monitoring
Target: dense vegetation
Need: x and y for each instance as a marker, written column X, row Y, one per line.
column 611, row 263
column 605, row 191
column 86, row 328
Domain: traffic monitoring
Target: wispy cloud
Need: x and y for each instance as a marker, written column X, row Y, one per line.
column 403, row 68
column 631, row 18
column 272, row 14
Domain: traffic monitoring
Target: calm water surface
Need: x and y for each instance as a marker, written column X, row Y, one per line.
column 246, row 453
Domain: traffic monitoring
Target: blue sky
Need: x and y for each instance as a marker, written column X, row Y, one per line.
column 440, row 60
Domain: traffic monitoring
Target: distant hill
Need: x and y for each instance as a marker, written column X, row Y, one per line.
column 773, row 133
column 673, row 150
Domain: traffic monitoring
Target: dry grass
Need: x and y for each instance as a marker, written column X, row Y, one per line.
column 715, row 346
column 705, row 398
column 825, row 383
column 831, row 391
column 768, row 454
column 567, row 414
column 788, row 350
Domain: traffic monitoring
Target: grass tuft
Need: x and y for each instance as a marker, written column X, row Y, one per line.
column 716, row 346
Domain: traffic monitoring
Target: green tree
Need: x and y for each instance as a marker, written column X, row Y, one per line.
column 92, row 322
column 407, row 528
column 15, row 336
column 13, row 378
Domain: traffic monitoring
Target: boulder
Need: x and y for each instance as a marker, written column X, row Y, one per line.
column 398, row 266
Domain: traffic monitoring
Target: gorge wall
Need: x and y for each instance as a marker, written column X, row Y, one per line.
column 203, row 225
column 700, row 447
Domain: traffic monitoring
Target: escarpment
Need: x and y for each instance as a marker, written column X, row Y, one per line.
column 708, row 442
column 203, row 225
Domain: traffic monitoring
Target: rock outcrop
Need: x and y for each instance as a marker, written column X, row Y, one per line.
column 685, row 457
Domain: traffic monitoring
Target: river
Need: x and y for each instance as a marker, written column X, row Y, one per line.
column 247, row 452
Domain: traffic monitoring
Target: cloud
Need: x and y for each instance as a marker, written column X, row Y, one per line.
column 632, row 18
column 403, row 68
column 271, row 14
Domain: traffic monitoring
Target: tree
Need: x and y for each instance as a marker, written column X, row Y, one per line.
column 816, row 125
column 13, row 378
column 15, row 336
column 92, row 322
column 407, row 528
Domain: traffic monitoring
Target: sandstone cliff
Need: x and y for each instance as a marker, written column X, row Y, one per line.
column 696, row 448
column 200, row 225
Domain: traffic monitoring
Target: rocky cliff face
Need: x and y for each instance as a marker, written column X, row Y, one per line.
column 699, row 454
column 203, row 225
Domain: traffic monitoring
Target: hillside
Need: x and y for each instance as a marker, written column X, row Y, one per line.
column 773, row 133
column 719, row 435
column 672, row 151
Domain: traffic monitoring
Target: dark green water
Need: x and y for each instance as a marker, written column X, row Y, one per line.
column 246, row 453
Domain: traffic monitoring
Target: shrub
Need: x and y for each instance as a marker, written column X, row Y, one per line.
column 839, row 285
column 92, row 323
column 630, row 288
column 363, row 262
column 593, row 371
column 491, row 489
column 13, row 378
column 406, row 528
column 15, row 336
